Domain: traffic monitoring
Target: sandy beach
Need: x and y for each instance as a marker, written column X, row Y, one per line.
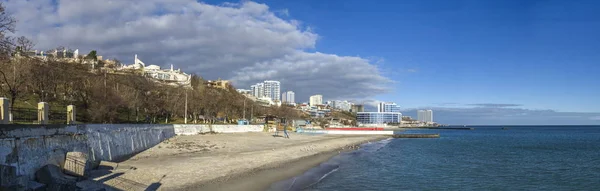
column 245, row 161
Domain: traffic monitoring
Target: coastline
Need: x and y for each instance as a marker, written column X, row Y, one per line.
column 246, row 161
column 263, row 177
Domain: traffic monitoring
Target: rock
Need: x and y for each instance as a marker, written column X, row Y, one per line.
column 76, row 164
column 52, row 176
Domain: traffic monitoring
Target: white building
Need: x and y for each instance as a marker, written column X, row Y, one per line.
column 378, row 118
column 170, row 76
column 272, row 89
column 388, row 107
column 343, row 105
column 316, row 100
column 288, row 97
column 425, row 116
column 258, row 90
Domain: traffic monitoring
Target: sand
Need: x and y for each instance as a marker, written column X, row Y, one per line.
column 244, row 161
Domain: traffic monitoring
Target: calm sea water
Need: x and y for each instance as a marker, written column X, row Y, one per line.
column 487, row 158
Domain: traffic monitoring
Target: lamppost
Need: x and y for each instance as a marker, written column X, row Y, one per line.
column 186, row 106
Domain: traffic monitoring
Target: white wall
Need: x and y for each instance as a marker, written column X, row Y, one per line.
column 191, row 129
column 30, row 147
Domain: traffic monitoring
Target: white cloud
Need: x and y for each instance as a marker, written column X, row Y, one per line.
column 245, row 42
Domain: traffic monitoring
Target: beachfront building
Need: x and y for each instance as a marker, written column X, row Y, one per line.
column 425, row 116
column 288, row 97
column 378, row 117
column 316, row 100
column 168, row 76
column 388, row 107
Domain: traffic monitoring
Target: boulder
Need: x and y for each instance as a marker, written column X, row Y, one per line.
column 76, row 164
column 8, row 175
column 53, row 177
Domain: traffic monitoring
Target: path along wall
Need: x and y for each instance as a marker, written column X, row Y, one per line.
column 30, row 147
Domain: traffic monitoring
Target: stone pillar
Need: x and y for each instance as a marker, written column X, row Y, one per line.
column 43, row 113
column 4, row 111
column 70, row 114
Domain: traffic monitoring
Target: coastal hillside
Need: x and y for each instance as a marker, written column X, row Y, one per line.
column 102, row 95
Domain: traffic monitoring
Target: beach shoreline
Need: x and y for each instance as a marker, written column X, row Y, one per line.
column 244, row 161
column 262, row 178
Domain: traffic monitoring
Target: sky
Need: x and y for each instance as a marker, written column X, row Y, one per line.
column 472, row 62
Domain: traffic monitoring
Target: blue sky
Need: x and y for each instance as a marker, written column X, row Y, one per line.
column 471, row 61
column 537, row 54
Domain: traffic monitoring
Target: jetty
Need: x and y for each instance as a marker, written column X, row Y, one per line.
column 416, row 136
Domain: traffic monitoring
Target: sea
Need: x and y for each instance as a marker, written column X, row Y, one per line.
column 486, row 158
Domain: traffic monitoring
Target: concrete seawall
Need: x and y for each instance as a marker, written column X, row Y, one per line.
column 30, row 147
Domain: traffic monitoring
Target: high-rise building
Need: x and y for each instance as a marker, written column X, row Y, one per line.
column 357, row 108
column 258, row 90
column 288, row 97
column 284, row 97
column 425, row 115
column 388, row 107
column 316, row 100
column 272, row 89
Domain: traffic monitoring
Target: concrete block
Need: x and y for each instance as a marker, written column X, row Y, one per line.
column 8, row 175
column 76, row 164
column 52, row 176
column 35, row 186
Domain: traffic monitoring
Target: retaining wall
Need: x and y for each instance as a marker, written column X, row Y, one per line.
column 30, row 147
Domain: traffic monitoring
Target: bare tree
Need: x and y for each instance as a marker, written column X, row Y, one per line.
column 24, row 44
column 7, row 25
column 14, row 80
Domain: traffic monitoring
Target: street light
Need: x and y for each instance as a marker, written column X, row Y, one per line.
column 185, row 111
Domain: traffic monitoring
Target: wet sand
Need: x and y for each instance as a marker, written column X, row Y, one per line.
column 245, row 161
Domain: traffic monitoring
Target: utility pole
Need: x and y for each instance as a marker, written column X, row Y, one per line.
column 245, row 108
column 185, row 119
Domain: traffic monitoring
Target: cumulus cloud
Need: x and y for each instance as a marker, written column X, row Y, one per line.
column 245, row 42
